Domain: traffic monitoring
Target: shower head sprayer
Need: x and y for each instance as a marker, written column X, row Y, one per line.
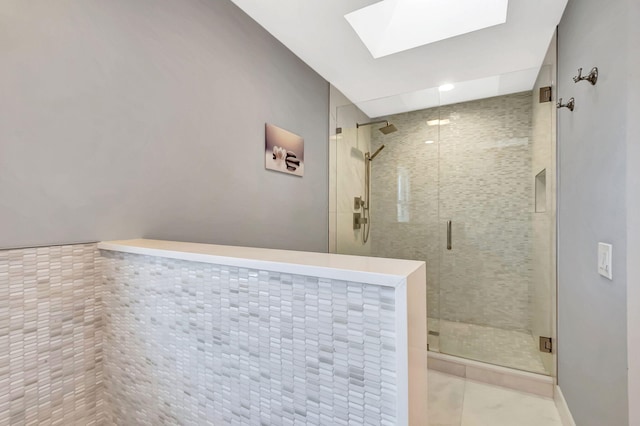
column 389, row 128
column 386, row 129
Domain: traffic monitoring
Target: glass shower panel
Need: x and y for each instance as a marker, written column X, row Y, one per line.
column 543, row 163
column 403, row 192
column 404, row 195
column 351, row 145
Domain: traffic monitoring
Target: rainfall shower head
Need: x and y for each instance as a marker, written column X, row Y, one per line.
column 389, row 128
column 386, row 129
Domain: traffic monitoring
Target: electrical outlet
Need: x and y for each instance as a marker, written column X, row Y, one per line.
column 605, row 253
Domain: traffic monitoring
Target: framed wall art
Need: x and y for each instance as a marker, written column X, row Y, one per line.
column 284, row 151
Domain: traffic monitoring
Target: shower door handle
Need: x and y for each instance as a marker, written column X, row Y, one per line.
column 449, row 245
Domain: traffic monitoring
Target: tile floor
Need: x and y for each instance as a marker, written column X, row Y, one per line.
column 454, row 401
column 508, row 348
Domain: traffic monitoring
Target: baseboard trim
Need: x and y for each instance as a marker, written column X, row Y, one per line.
column 523, row 381
column 563, row 408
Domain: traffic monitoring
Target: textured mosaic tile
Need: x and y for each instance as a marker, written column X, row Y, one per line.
column 194, row 343
column 50, row 336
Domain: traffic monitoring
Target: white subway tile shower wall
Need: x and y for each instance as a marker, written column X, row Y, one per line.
column 477, row 174
column 196, row 343
column 50, row 336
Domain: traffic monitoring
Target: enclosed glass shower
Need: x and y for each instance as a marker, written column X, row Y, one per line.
column 468, row 188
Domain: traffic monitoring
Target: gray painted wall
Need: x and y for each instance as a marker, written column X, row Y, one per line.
column 592, row 318
column 123, row 119
column 633, row 214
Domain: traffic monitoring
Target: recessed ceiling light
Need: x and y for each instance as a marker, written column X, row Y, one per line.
column 438, row 122
column 392, row 26
column 428, row 142
column 446, row 87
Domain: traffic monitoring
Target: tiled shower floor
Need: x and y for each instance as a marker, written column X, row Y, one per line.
column 508, row 348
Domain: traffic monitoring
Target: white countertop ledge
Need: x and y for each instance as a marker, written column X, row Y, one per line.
column 370, row 270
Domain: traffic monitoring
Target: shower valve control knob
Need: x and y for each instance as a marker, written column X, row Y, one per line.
column 359, row 220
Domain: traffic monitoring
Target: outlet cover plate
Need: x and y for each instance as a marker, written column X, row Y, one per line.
column 605, row 253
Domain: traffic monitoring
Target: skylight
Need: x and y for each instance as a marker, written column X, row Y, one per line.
column 392, row 26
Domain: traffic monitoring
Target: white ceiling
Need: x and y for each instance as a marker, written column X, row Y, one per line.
column 493, row 61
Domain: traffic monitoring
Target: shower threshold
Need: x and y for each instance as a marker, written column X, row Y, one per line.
column 523, row 381
column 508, row 348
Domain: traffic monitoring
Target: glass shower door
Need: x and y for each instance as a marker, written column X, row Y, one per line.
column 486, row 208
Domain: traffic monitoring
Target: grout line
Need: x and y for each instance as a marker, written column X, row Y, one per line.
column 464, row 399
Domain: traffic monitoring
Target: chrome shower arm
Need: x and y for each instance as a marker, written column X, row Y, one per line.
column 358, row 125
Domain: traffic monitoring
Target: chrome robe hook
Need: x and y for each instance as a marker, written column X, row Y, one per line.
column 571, row 104
column 592, row 77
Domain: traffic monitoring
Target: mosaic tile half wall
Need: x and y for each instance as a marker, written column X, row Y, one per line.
column 50, row 336
column 195, row 343
column 92, row 338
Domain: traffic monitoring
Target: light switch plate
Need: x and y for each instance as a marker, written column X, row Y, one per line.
column 605, row 253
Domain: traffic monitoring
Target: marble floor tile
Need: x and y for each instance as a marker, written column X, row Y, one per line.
column 487, row 405
column 446, row 395
column 459, row 402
